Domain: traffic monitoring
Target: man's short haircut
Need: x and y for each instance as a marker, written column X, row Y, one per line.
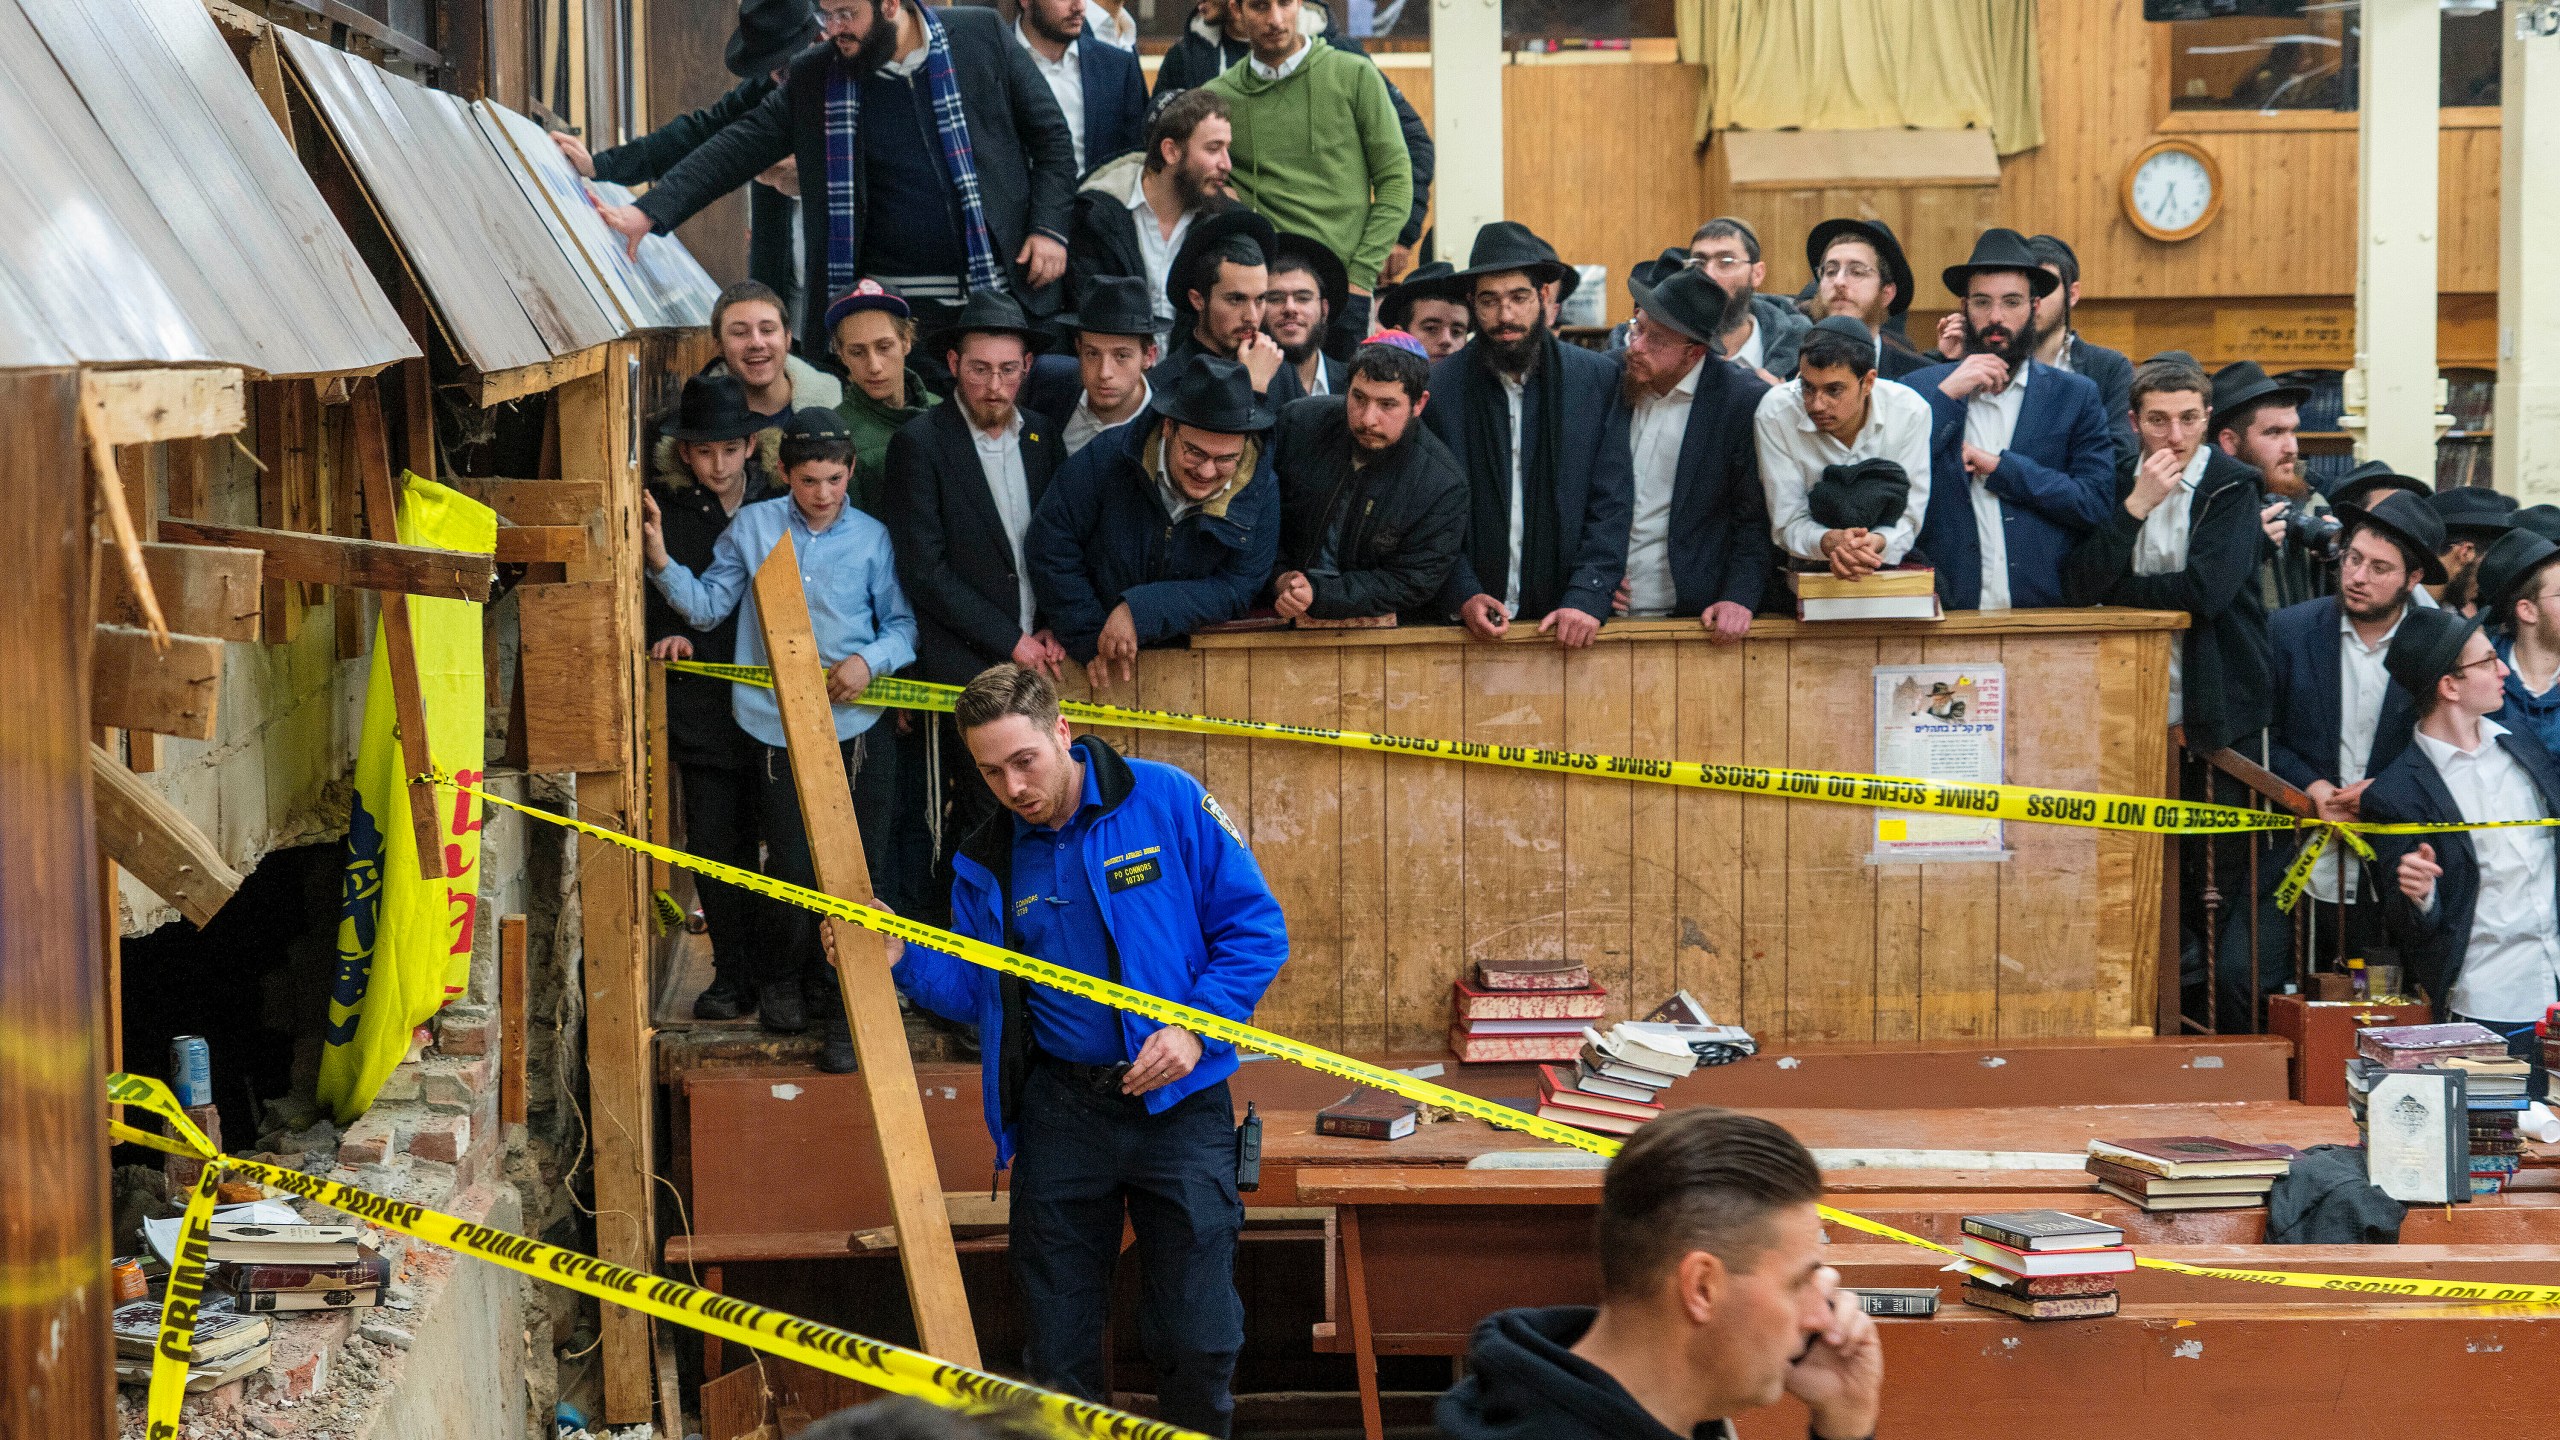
column 1830, row 351
column 1006, row 689
column 1393, row 365
column 798, row 450
column 1178, row 117
column 2054, row 251
column 1238, row 250
column 1697, row 1179
column 1287, row 263
column 1726, row 227
column 746, row 292
column 2161, row 377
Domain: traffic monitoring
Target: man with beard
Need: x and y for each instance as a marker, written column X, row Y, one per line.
column 1308, row 285
column 2473, row 519
column 1540, row 431
column 2020, row 462
column 1766, row 330
column 1221, row 283
column 1100, row 89
column 2520, row 592
column 1698, row 540
column 2258, row 421
column 1421, row 306
column 1836, row 415
column 1135, row 215
column 2339, row 721
column 931, row 156
column 1859, row 271
column 1372, row 507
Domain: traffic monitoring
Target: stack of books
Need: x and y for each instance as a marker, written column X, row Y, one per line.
column 1897, row 592
column 2418, row 1079
column 1681, row 1018
column 2187, row 1172
column 227, row 1345
column 2410, row 1047
column 2494, row 1099
column 1611, row 1107
column 1523, row 1010
column 273, row 1268
column 2043, row 1264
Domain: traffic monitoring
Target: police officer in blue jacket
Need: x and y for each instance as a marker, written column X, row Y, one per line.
column 1128, row 870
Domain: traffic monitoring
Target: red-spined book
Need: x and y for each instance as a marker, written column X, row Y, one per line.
column 2112, row 1261
column 2047, row 1287
column 1476, row 1049
column 1477, row 1003
column 372, row 1271
column 1556, row 1087
column 2190, row 1157
column 1532, row 975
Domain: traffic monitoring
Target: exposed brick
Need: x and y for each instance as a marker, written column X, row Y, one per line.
column 465, row 1030
column 367, row 1142
column 402, row 1084
column 443, row 1139
column 300, row 1368
column 453, row 1090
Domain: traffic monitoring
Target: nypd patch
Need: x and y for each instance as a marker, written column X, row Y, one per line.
column 1209, row 803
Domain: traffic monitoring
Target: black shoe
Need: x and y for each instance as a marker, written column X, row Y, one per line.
column 783, row 1011
column 726, row 999
column 838, row 1058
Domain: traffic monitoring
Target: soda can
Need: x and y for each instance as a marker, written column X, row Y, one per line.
column 191, row 1070
column 130, row 1283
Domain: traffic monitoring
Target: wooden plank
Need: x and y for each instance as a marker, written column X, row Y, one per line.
column 137, row 407
column 203, row 590
column 133, row 472
column 1897, row 914
column 1426, row 819
column 1597, row 824
column 2049, row 899
column 1766, row 740
column 191, row 476
column 1653, row 829
column 536, row 502
column 932, row 1267
column 497, row 387
column 658, row 758
column 1708, row 951
column 155, row 841
column 350, row 606
column 511, row 1019
column 1831, row 889
column 1960, row 909
column 1170, row 680
column 382, row 521
column 279, row 444
column 2124, row 917
column 170, row 691
column 1296, row 836
column 1514, row 695
column 1363, row 884
column 543, row 544
column 385, row 566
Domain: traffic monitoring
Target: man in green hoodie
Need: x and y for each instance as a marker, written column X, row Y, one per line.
column 1317, row 148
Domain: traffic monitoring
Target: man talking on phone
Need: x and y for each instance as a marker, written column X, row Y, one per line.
column 1714, row 1300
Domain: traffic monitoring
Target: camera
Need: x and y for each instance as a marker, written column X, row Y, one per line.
column 2314, row 531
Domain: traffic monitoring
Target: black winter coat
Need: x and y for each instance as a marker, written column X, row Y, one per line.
column 700, row 725
column 1396, row 527
column 1025, row 157
column 1595, row 496
column 2224, row 679
column 953, row 559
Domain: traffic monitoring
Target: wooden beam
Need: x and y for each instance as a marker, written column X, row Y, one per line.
column 154, row 841
column 577, row 703
column 275, row 437
column 511, row 1036
column 498, row 386
column 204, row 590
column 382, row 521
column 168, row 691
column 191, row 477
column 862, row 970
column 133, row 469
column 543, row 544
column 537, row 502
column 335, row 560
column 136, row 407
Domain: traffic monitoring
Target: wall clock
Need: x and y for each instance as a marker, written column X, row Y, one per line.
column 2172, row 190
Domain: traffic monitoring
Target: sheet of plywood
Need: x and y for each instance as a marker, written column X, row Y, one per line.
column 1296, row 836
column 1831, row 938
column 1363, row 885
column 1426, row 817
column 575, row 715
column 1599, row 872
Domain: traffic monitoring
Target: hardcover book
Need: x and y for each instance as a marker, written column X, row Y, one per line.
column 371, row 1270
column 2073, row 1307
column 1484, row 1049
column 2044, row 1230
column 1915, row 1301
column 2187, row 1157
column 1609, row 1066
column 262, row 1302
column 2416, row 1139
column 1592, row 1082
column 218, row 1332
column 1479, row 1004
column 1369, row 1115
column 1532, row 975
column 1588, row 1119
column 2203, row 1200
column 2406, row 1047
column 2047, row 1262
column 201, row 1377
column 2144, row 1184
column 285, row 1244
column 1556, row 1087
column 2042, row 1287
column 1903, row 580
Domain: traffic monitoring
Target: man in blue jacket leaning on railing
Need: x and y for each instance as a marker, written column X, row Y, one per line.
column 1128, row 870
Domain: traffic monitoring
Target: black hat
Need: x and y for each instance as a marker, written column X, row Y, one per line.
column 815, row 422
column 2371, row 476
column 713, row 407
column 1687, row 301
column 1423, row 282
column 1874, row 232
column 2243, row 382
column 2427, row 647
column 2409, row 522
column 2175, row 357
column 1868, row 495
column 1113, row 305
column 1507, row 245
column 1652, row 271
column 2507, row 566
column 1331, row 276
column 1206, row 234
column 1847, row 327
column 2472, row 513
column 2542, row 520
column 2000, row 248
column 986, row 312
column 769, row 34
column 1214, row 395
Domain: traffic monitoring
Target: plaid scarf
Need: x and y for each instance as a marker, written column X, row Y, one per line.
column 844, row 199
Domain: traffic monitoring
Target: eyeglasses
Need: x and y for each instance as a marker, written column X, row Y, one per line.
column 838, row 17
column 1723, row 264
column 2475, row 664
column 2378, row 569
column 1192, row 457
column 1998, row 304
column 1846, row 270
column 981, row 370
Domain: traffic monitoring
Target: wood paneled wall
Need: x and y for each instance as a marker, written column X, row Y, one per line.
column 1398, row 873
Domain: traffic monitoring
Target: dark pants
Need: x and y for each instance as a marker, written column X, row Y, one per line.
column 910, row 886
column 967, row 802
column 1086, row 1156
column 2236, row 1005
column 875, row 807
column 790, row 950
column 720, row 823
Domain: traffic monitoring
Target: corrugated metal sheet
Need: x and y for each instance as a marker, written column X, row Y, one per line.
column 557, row 191
column 682, row 284
column 161, row 83
column 506, row 293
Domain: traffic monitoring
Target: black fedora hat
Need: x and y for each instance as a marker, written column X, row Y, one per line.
column 2542, row 520
column 2427, row 647
column 1207, row 233
column 2001, row 248
column 1653, row 271
column 2245, row 382
column 713, row 407
column 1332, row 276
column 1687, row 301
column 1897, row 268
column 1214, row 395
column 2410, row 522
column 769, row 34
column 2507, row 566
column 1113, row 305
column 1868, row 495
column 2357, row 485
column 1423, row 282
column 986, row 312
column 2472, row 513
column 1503, row 246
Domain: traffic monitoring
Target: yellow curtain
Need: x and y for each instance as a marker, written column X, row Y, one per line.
column 1867, row 65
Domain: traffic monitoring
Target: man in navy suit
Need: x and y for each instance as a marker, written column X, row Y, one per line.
column 2021, row 461
column 2476, row 913
column 1099, row 86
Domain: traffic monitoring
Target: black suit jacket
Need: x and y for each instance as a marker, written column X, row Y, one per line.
column 2432, row 943
column 1720, row 548
column 1115, row 100
column 2112, row 373
column 1025, row 157
column 1595, row 496
column 2308, row 704
column 953, row 559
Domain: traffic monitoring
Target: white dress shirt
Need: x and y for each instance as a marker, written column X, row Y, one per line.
column 1066, row 81
column 1120, row 30
column 1990, row 421
column 1083, row 425
column 2161, row 549
column 1661, row 423
column 1156, row 251
column 1512, row 394
column 2511, row 963
column 1285, row 68
column 2362, row 686
column 1793, row 453
column 1000, row 459
column 1754, row 347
